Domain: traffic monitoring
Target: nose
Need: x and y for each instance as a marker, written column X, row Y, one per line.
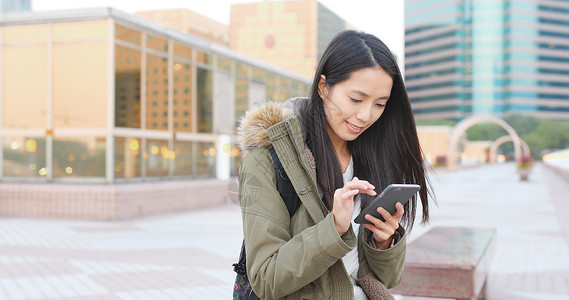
column 364, row 115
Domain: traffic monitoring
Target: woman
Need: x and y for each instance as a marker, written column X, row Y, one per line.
column 352, row 137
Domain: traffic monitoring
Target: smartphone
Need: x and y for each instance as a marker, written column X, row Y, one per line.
column 392, row 194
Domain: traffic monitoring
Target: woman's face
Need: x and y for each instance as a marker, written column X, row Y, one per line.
column 353, row 105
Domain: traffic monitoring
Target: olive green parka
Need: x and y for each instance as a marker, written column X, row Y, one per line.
column 298, row 257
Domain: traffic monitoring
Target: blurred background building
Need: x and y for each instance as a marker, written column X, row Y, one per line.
column 503, row 57
column 289, row 34
column 190, row 22
column 101, row 96
column 9, row 6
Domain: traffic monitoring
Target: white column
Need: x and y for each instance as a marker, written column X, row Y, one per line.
column 171, row 163
column 142, row 144
column 1, row 101
column 49, row 114
column 110, row 147
column 223, row 162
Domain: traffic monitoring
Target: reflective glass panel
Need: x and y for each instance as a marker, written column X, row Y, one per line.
column 157, row 156
column 80, row 85
column 128, row 35
column 205, row 159
column 24, row 85
column 185, row 156
column 304, row 90
column 271, row 86
column 127, row 87
column 286, row 90
column 156, row 92
column 182, row 96
column 157, row 43
column 223, row 63
column 258, row 75
column 241, row 98
column 242, row 70
column 203, row 57
column 79, row 157
column 127, row 157
column 182, row 51
column 235, row 160
column 205, row 100
column 24, row 157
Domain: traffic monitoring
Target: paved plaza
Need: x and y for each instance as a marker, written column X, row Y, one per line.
column 188, row 255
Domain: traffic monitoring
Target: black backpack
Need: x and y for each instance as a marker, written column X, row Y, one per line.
column 242, row 288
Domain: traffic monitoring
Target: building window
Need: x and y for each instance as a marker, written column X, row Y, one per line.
column 127, row 157
column 205, row 100
column 154, row 62
column 127, row 86
column 79, row 157
column 24, row 157
column 182, row 70
column 157, row 156
column 128, row 35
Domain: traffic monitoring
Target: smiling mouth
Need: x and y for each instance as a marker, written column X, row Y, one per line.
column 354, row 128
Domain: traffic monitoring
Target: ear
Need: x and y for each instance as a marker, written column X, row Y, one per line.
column 322, row 88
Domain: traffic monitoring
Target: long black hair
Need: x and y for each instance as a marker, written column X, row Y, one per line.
column 388, row 151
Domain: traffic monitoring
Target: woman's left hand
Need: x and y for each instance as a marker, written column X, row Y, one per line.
column 383, row 231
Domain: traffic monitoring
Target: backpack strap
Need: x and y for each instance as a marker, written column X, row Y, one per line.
column 284, row 185
column 289, row 196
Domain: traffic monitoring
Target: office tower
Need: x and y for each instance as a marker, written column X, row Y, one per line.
column 500, row 57
column 9, row 6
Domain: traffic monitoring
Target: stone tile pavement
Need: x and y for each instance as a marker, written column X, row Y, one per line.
column 177, row 256
column 188, row 255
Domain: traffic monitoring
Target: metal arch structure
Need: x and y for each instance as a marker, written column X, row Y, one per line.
column 504, row 139
column 465, row 124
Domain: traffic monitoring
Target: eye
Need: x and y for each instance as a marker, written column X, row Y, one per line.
column 355, row 100
column 380, row 104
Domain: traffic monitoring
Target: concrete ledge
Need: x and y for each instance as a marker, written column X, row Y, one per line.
column 106, row 202
column 448, row 262
column 560, row 171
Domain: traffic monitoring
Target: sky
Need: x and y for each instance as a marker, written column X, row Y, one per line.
column 382, row 18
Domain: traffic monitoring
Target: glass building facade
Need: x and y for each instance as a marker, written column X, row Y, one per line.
column 102, row 96
column 465, row 57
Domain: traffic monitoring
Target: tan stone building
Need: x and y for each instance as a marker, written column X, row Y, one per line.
column 288, row 34
column 188, row 21
column 434, row 141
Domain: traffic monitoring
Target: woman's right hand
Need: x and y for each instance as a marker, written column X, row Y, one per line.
column 343, row 208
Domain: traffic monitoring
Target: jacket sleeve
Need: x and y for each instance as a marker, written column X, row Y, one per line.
column 278, row 264
column 387, row 264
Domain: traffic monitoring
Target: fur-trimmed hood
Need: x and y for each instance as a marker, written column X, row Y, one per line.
column 252, row 130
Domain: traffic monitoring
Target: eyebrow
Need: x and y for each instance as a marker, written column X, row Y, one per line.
column 361, row 93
